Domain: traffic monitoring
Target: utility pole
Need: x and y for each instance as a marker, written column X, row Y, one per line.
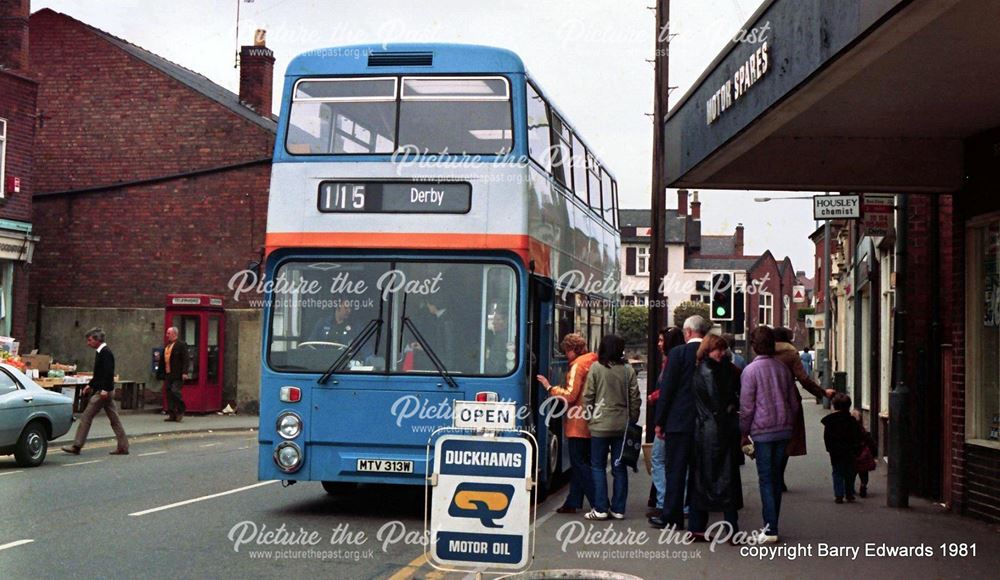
column 658, row 250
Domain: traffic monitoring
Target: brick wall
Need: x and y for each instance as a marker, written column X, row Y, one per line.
column 953, row 247
column 130, row 247
column 17, row 107
column 112, row 118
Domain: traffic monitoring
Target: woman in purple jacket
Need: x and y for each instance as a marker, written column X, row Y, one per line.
column 767, row 414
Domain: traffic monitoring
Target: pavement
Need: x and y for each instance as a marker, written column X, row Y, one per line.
column 189, row 505
column 151, row 422
column 811, row 526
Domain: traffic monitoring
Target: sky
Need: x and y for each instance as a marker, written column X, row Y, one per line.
column 589, row 55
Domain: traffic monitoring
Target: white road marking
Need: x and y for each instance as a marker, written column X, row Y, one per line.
column 209, row 445
column 203, row 498
column 83, row 462
column 11, row 472
column 15, row 544
column 152, row 453
column 238, row 448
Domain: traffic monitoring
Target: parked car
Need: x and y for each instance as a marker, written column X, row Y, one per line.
column 30, row 417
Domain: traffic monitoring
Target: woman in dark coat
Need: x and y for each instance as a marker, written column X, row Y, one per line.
column 715, row 485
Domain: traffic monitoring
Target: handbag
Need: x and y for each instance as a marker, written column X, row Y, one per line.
column 865, row 461
column 632, row 440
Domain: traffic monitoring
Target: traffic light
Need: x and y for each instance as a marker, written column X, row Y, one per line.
column 722, row 296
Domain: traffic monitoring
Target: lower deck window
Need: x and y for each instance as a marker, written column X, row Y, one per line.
column 463, row 314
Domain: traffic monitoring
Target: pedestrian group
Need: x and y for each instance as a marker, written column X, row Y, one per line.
column 711, row 410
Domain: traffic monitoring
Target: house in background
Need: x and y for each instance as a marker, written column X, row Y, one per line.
column 692, row 257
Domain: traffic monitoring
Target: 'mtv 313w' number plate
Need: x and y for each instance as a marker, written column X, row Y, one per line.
column 385, row 466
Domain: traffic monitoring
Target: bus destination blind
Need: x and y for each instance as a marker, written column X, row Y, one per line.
column 394, row 197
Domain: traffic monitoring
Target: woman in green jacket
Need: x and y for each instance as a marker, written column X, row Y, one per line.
column 611, row 397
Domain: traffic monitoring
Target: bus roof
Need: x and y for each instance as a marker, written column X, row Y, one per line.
column 381, row 58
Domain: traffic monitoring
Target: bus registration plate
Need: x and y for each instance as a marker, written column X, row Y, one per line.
column 385, row 466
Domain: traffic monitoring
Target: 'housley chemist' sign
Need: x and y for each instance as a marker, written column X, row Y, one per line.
column 836, row 207
column 733, row 89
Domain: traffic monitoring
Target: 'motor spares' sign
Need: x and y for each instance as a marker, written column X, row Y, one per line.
column 836, row 207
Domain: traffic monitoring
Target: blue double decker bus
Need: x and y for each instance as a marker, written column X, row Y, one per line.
column 435, row 226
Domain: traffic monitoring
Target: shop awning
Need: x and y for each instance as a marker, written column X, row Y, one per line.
column 852, row 95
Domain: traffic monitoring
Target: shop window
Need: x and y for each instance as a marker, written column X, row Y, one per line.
column 982, row 417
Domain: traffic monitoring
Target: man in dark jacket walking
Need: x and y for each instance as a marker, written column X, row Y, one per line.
column 175, row 364
column 101, row 391
column 675, row 412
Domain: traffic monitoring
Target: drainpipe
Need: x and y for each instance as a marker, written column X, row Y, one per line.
column 899, row 492
column 827, row 313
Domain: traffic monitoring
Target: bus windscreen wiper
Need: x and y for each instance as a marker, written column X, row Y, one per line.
column 407, row 323
column 372, row 328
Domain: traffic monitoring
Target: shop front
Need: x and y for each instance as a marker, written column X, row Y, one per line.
column 896, row 97
column 17, row 246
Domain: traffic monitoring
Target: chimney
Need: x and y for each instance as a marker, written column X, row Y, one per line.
column 14, row 34
column 256, row 75
column 682, row 202
column 696, row 207
column 738, row 247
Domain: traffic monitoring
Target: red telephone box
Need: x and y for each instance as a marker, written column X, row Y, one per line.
column 201, row 324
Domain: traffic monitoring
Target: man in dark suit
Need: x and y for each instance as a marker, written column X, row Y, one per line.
column 675, row 419
column 175, row 364
column 101, row 392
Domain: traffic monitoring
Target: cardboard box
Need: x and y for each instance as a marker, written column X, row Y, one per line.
column 37, row 361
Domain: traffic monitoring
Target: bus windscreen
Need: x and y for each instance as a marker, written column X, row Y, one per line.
column 466, row 312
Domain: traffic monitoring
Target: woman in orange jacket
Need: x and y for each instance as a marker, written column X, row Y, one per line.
column 575, row 423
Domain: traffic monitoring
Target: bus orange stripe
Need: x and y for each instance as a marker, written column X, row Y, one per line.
column 397, row 240
column 525, row 246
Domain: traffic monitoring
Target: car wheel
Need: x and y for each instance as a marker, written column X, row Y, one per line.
column 339, row 487
column 32, row 446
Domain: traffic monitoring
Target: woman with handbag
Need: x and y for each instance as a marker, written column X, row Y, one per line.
column 715, row 484
column 611, row 397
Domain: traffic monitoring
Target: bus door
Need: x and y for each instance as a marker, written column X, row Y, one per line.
column 540, row 308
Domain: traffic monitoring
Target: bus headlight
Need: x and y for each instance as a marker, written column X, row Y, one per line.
column 288, row 456
column 289, row 425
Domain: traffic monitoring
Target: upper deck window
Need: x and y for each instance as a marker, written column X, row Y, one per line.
column 463, row 115
column 539, row 135
column 440, row 115
column 343, row 116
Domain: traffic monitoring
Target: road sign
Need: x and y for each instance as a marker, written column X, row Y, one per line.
column 836, row 207
column 877, row 213
column 798, row 294
column 491, row 416
column 481, row 508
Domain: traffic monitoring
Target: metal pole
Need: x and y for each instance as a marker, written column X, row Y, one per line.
column 899, row 492
column 658, row 250
column 827, row 311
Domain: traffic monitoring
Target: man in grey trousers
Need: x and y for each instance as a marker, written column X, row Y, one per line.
column 101, row 391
